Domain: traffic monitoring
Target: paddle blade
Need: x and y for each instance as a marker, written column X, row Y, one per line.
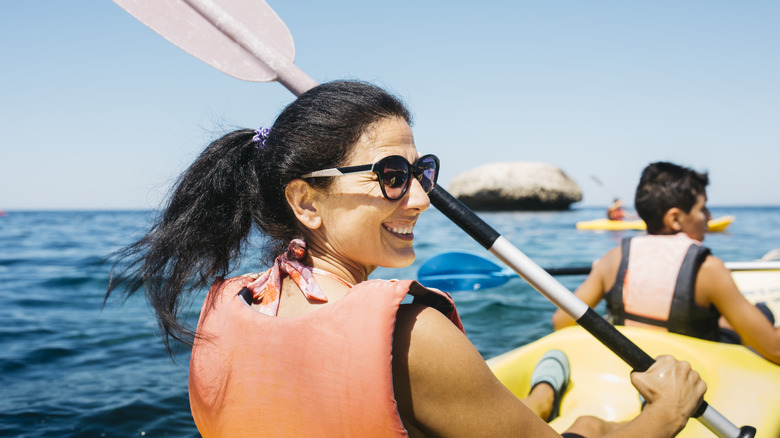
column 458, row 271
column 219, row 40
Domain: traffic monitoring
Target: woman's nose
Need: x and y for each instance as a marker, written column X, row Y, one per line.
column 417, row 198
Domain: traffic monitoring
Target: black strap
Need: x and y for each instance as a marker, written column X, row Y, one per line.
column 614, row 297
column 684, row 305
column 426, row 297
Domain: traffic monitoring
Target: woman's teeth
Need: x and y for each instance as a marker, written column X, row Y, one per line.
column 401, row 230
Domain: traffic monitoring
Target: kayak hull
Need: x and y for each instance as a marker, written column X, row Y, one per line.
column 713, row 226
column 742, row 386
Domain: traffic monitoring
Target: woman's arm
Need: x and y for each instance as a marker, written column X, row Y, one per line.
column 444, row 387
column 714, row 285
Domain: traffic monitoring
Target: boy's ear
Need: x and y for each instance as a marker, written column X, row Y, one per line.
column 302, row 198
column 672, row 219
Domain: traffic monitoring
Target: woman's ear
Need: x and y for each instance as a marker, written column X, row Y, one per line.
column 302, row 198
column 672, row 219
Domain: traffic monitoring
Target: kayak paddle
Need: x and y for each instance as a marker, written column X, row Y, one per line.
column 458, row 271
column 603, row 186
column 455, row 271
column 243, row 38
column 226, row 34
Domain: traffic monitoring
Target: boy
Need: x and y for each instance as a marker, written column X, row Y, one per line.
column 667, row 279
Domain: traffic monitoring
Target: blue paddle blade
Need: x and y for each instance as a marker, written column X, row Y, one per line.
column 457, row 271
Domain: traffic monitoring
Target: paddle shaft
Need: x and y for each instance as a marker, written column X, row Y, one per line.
column 733, row 266
column 573, row 270
column 603, row 186
column 298, row 82
column 548, row 286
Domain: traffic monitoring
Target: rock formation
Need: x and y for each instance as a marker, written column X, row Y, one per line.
column 515, row 186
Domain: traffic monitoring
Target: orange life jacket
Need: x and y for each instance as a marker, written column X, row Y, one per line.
column 324, row 373
column 616, row 214
column 656, row 284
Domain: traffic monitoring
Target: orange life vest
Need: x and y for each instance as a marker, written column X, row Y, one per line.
column 325, row 373
column 656, row 284
column 616, row 214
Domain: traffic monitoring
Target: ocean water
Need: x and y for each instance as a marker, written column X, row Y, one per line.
column 72, row 367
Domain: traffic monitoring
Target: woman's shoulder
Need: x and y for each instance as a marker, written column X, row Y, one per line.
column 421, row 315
column 449, row 382
column 428, row 329
column 425, row 340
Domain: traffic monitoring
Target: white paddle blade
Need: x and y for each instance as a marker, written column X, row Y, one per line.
column 216, row 33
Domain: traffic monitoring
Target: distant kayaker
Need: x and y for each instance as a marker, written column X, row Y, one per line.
column 311, row 347
column 616, row 212
column 667, row 279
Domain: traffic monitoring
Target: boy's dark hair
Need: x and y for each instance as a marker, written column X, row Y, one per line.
column 663, row 186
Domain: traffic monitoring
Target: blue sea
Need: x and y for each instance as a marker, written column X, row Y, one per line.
column 72, row 367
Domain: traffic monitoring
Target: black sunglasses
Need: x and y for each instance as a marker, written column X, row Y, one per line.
column 393, row 173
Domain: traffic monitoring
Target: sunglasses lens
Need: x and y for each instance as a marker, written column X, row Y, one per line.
column 427, row 172
column 395, row 175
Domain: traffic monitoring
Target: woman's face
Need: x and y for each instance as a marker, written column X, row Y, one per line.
column 360, row 228
column 694, row 223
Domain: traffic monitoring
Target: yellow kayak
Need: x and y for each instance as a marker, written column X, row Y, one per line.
column 742, row 386
column 714, row 225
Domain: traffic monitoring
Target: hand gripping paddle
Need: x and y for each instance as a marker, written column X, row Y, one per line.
column 247, row 40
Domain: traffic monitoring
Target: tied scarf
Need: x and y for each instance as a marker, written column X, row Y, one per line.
column 267, row 288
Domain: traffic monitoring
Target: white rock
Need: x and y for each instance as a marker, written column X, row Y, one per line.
column 518, row 185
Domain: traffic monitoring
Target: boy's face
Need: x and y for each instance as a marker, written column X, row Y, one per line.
column 694, row 223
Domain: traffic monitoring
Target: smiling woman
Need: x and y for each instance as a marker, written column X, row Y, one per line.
column 311, row 347
column 368, row 208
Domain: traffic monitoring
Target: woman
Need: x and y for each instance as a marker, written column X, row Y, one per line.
column 311, row 347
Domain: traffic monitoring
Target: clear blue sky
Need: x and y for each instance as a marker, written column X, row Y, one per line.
column 99, row 112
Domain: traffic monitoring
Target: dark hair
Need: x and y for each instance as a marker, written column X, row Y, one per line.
column 236, row 185
column 663, row 186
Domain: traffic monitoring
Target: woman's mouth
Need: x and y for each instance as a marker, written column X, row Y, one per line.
column 402, row 232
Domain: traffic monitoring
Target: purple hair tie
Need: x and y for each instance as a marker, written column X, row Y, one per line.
column 261, row 135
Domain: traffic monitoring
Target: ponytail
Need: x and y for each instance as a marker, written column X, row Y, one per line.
column 200, row 233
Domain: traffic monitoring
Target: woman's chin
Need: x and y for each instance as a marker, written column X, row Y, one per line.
column 402, row 259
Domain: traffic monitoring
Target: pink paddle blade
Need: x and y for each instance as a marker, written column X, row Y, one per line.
column 243, row 38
